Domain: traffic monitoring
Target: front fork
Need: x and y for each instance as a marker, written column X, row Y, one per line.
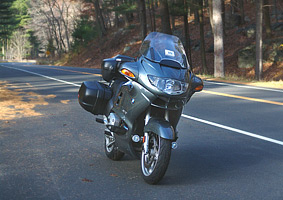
column 146, row 146
column 146, row 135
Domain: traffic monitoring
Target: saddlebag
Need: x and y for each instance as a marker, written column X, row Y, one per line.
column 94, row 97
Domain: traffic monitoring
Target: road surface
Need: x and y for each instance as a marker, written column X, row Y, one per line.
column 230, row 143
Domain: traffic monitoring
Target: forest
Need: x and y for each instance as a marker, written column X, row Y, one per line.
column 222, row 38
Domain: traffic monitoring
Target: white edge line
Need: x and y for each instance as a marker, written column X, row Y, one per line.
column 183, row 115
column 234, row 130
column 245, row 86
column 48, row 77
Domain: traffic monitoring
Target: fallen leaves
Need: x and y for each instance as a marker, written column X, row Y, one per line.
column 87, row 180
column 16, row 103
column 114, row 175
column 65, row 101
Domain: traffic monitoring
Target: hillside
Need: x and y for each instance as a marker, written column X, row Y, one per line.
column 127, row 41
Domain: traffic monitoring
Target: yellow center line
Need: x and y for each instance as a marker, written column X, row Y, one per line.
column 241, row 97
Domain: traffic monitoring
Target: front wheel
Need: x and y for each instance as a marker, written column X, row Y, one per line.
column 155, row 161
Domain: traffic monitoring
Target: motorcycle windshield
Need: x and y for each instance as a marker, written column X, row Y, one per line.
column 158, row 47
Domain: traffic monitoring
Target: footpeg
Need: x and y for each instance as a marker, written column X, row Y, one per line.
column 99, row 120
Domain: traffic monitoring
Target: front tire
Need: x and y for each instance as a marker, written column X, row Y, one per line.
column 155, row 163
column 111, row 150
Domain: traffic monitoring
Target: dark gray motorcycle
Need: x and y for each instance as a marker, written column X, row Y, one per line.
column 142, row 102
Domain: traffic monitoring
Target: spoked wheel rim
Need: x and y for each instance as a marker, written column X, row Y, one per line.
column 109, row 143
column 149, row 160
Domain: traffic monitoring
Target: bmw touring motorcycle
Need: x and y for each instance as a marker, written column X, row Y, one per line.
column 142, row 102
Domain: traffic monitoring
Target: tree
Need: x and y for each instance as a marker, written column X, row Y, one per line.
column 19, row 45
column 54, row 19
column 202, row 42
column 7, row 23
column 210, row 8
column 99, row 18
column 84, row 32
column 275, row 10
column 151, row 9
column 142, row 15
column 126, row 9
column 186, row 33
column 165, row 17
column 218, row 39
column 258, row 67
column 241, row 5
column 266, row 17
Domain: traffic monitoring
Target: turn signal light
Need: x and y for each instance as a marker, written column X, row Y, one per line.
column 127, row 73
column 199, row 88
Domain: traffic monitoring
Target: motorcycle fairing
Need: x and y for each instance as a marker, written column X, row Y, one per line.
column 131, row 101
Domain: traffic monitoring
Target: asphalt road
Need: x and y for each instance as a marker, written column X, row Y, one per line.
column 230, row 143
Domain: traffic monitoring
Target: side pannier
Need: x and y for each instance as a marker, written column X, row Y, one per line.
column 94, row 97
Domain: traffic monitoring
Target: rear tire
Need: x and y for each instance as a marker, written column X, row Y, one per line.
column 111, row 150
column 154, row 165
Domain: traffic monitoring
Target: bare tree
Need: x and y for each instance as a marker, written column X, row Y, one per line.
column 218, row 39
column 54, row 19
column 19, row 45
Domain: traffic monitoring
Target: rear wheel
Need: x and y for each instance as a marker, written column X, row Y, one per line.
column 154, row 163
column 111, row 150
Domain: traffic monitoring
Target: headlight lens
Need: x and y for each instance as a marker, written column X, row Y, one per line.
column 169, row 86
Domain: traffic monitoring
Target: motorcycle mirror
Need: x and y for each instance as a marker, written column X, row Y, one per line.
column 197, row 84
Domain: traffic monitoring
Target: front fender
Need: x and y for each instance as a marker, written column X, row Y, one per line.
column 161, row 127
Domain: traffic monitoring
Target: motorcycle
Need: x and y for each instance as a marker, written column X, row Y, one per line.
column 142, row 102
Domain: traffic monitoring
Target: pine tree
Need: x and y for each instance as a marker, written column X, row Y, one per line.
column 7, row 23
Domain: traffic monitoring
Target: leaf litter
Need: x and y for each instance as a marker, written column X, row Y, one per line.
column 16, row 103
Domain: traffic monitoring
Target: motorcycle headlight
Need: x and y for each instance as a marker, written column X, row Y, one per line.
column 167, row 85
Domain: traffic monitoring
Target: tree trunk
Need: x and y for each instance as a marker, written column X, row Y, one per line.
column 223, row 16
column 116, row 15
column 150, row 15
column 187, row 35
column 153, row 15
column 99, row 18
column 242, row 11
column 173, row 19
column 210, row 14
column 266, row 17
column 143, row 18
column 218, row 40
column 202, row 42
column 165, row 17
column 275, row 10
column 258, row 67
